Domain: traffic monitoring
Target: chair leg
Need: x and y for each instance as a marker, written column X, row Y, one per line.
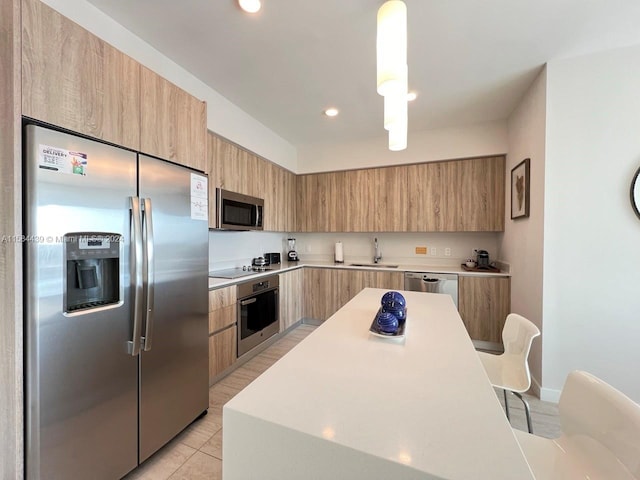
column 526, row 411
column 506, row 405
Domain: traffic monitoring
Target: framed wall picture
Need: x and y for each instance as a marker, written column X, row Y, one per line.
column 520, row 190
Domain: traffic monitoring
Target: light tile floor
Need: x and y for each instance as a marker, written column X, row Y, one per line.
column 196, row 453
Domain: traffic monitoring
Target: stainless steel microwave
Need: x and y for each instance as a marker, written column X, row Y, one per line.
column 235, row 211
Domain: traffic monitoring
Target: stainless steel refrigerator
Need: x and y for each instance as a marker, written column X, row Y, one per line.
column 116, row 261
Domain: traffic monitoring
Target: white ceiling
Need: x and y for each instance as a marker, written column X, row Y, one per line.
column 470, row 61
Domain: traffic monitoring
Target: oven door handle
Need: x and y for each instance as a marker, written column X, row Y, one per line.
column 248, row 302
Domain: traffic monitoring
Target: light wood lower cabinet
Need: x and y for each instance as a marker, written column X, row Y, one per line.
column 291, row 299
column 222, row 330
column 484, row 303
column 222, row 351
column 326, row 290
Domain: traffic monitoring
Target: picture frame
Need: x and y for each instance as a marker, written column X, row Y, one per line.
column 520, row 183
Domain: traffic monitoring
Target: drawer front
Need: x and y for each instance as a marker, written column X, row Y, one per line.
column 222, row 317
column 222, row 351
column 223, row 297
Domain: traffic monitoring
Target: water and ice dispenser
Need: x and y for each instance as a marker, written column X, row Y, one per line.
column 92, row 270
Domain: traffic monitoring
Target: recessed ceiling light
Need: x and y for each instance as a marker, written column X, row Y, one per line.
column 331, row 112
column 411, row 96
column 250, row 6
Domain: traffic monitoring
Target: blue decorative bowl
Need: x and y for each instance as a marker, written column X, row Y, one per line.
column 387, row 322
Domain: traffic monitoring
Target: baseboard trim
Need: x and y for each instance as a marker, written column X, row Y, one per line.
column 550, row 395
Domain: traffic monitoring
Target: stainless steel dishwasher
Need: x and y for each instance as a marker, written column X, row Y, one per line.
column 433, row 283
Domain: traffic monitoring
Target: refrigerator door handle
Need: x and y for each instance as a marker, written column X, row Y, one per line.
column 149, row 273
column 133, row 346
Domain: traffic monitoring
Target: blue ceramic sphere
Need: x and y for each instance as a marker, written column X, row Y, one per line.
column 387, row 322
column 392, row 299
column 397, row 311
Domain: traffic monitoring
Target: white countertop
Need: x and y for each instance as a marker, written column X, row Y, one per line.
column 344, row 404
column 286, row 266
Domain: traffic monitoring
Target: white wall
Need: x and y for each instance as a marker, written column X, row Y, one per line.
column 223, row 117
column 236, row 249
column 424, row 146
column 591, row 277
column 397, row 247
column 521, row 245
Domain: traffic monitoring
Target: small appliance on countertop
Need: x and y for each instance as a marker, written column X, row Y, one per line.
column 272, row 258
column 482, row 259
column 292, row 256
column 259, row 264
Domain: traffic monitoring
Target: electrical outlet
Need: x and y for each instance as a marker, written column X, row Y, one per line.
column 447, row 252
column 421, row 250
column 434, row 251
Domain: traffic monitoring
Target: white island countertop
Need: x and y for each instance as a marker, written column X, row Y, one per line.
column 344, row 404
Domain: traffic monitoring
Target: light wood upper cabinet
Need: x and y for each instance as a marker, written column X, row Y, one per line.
column 72, row 79
column 233, row 168
column 291, row 297
column 484, row 303
column 322, row 202
column 173, row 124
column 482, row 194
column 377, row 200
column 427, row 197
column 457, row 195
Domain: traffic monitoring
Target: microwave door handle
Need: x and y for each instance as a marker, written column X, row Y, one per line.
column 133, row 346
column 149, row 271
column 257, row 216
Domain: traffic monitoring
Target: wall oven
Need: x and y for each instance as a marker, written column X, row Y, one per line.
column 235, row 211
column 258, row 307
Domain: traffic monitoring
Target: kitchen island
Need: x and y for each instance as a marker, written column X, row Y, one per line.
column 345, row 404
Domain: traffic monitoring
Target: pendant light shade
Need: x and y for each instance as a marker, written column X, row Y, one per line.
column 395, row 110
column 392, row 71
column 398, row 137
column 391, row 47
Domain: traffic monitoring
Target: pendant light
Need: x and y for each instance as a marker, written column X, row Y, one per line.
column 392, row 70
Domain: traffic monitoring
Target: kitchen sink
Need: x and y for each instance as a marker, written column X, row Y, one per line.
column 375, row 265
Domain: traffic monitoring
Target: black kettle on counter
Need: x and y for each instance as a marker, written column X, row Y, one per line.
column 482, row 259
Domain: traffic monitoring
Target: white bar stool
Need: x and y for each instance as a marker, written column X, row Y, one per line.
column 600, row 437
column 510, row 370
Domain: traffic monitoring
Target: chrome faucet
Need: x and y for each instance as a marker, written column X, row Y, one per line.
column 377, row 256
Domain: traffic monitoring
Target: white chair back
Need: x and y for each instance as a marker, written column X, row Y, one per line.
column 518, row 334
column 593, row 413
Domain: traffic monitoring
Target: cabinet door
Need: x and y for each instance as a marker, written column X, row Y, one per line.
column 222, row 308
column 290, row 202
column 222, row 351
column 458, row 195
column 484, row 303
column 173, row 124
column 481, row 198
column 291, row 287
column 270, row 193
column 72, row 79
column 322, row 202
column 377, row 200
column 326, row 290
